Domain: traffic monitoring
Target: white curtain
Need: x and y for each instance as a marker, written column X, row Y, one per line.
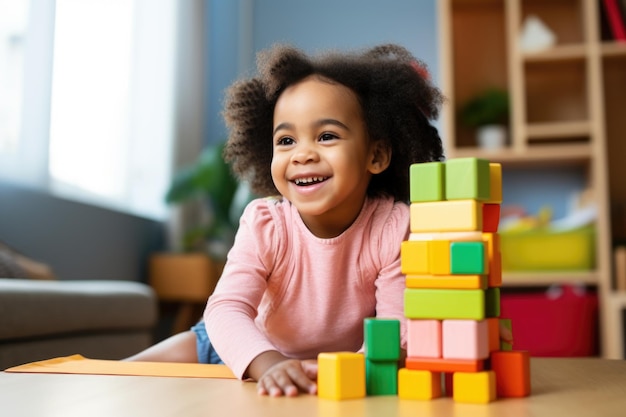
column 102, row 98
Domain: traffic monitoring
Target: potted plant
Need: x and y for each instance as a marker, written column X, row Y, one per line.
column 488, row 113
column 190, row 277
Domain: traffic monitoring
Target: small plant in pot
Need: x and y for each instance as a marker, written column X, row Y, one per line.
column 488, row 113
column 211, row 180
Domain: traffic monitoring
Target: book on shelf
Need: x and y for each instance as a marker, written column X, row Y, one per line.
column 614, row 13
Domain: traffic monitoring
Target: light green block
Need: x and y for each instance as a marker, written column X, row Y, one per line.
column 492, row 302
column 443, row 304
column 382, row 339
column 381, row 377
column 467, row 258
column 467, row 178
column 427, row 182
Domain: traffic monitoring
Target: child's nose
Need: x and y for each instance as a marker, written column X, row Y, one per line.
column 305, row 153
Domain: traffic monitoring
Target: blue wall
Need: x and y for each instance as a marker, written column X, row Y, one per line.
column 240, row 28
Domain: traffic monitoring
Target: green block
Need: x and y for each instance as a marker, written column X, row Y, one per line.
column 504, row 345
column 443, row 304
column 467, row 178
column 427, row 182
column 381, row 377
column 467, row 258
column 492, row 302
column 382, row 339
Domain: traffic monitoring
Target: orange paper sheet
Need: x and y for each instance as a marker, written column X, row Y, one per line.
column 77, row 364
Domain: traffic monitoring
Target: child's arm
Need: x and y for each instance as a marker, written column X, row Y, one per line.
column 278, row 375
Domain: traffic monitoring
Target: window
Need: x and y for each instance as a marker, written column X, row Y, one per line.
column 97, row 116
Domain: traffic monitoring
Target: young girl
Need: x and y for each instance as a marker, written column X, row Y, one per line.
column 332, row 137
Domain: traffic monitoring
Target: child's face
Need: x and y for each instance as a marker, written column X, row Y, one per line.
column 322, row 160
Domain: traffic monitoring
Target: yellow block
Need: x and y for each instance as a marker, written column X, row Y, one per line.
column 474, row 387
column 418, row 385
column 414, row 257
column 446, row 216
column 439, row 257
column 469, row 282
column 341, row 375
column 474, row 236
column 495, row 183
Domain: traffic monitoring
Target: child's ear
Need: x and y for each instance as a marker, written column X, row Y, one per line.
column 380, row 157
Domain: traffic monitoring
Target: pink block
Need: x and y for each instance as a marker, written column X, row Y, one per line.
column 465, row 339
column 424, row 338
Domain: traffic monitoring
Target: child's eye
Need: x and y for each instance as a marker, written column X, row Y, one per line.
column 327, row 136
column 285, row 140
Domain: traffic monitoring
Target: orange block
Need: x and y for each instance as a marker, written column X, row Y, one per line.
column 444, row 365
column 493, row 326
column 494, row 257
column 512, row 370
column 469, row 282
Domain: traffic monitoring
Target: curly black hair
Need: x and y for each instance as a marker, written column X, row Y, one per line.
column 392, row 86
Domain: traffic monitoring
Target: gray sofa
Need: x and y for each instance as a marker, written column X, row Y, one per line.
column 97, row 319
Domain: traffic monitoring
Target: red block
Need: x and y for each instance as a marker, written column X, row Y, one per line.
column 491, row 217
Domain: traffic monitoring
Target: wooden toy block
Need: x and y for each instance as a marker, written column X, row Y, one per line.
column 418, row 385
column 467, row 178
column 424, row 338
column 427, row 182
column 474, row 387
column 444, row 365
column 468, row 258
column 495, row 183
column 465, row 339
column 381, row 377
column 491, row 217
column 470, row 236
column 495, row 270
column 505, row 334
column 492, row 242
column 512, row 369
column 447, row 216
column 468, row 282
column 444, row 304
column 492, row 302
column 448, row 384
column 493, row 325
column 414, row 257
column 439, row 257
column 341, row 375
column 382, row 339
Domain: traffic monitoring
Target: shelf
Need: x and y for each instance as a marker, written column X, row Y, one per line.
column 558, row 130
column 540, row 279
column 571, row 154
column 576, row 52
column 614, row 49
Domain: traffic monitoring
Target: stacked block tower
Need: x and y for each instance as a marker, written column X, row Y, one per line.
column 451, row 301
column 453, row 278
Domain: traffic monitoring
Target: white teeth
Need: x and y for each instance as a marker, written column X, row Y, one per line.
column 310, row 180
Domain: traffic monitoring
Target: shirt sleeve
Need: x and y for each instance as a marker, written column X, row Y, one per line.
column 232, row 308
column 391, row 283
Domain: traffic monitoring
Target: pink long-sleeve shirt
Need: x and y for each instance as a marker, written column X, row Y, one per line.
column 285, row 289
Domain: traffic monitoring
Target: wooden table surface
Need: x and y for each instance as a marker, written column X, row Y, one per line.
column 560, row 387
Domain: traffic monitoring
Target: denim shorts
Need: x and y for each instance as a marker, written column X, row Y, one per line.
column 206, row 352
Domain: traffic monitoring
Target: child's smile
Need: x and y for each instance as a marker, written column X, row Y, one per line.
column 323, row 158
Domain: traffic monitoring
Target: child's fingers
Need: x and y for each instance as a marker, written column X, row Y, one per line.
column 303, row 382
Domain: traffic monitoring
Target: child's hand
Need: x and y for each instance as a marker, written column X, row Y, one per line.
column 288, row 378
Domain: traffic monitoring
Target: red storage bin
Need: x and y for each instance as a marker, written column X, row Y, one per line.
column 558, row 322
